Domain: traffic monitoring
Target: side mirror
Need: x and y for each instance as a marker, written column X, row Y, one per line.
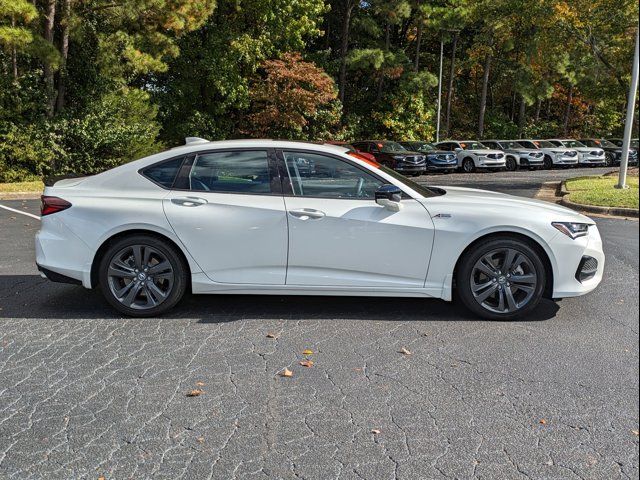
column 457, row 149
column 389, row 196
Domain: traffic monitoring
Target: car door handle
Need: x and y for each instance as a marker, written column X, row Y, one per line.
column 188, row 201
column 307, row 213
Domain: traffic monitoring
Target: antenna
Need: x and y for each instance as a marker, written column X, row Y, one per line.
column 194, row 140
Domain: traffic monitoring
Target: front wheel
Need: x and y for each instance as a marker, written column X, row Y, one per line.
column 608, row 159
column 142, row 276
column 468, row 165
column 501, row 279
column 548, row 163
column 511, row 164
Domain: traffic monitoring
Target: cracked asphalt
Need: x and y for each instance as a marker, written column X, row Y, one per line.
column 85, row 393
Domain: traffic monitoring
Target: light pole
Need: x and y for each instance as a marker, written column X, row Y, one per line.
column 440, row 88
column 628, row 126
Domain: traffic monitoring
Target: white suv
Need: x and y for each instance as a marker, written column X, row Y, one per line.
column 472, row 155
column 553, row 155
column 517, row 155
column 587, row 155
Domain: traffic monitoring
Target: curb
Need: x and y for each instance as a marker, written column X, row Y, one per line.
column 616, row 211
column 20, row 196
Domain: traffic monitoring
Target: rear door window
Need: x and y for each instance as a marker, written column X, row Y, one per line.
column 231, row 172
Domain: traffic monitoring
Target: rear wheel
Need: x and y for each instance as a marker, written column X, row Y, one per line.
column 548, row 163
column 501, row 279
column 468, row 165
column 143, row 276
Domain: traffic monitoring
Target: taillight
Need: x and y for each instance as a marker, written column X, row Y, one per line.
column 51, row 205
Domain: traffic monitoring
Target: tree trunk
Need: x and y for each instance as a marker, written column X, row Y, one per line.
column 521, row 119
column 538, row 108
column 567, row 111
column 344, row 47
column 452, row 71
column 387, row 45
column 14, row 56
column 48, row 70
column 64, row 50
column 416, row 63
column 483, row 97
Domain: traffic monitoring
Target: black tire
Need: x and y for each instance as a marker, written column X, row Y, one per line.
column 511, row 164
column 468, row 165
column 173, row 283
column 548, row 162
column 467, row 268
column 608, row 159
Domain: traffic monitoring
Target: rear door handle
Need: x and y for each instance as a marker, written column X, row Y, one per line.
column 189, row 201
column 307, row 213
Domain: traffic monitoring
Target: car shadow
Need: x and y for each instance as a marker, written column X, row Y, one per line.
column 30, row 296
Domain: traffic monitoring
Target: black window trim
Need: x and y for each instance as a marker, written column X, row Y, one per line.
column 286, row 183
column 275, row 181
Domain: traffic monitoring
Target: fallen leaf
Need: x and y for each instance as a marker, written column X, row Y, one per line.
column 101, row 477
column 635, row 432
column 306, row 363
column 271, row 335
column 286, row 373
column 195, row 393
column 307, row 352
column 543, row 421
column 200, row 439
column 375, row 431
column 200, row 384
column 404, row 351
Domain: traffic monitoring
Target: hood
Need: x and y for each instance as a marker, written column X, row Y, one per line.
column 472, row 196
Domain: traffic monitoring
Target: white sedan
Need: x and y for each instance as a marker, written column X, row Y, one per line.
column 289, row 218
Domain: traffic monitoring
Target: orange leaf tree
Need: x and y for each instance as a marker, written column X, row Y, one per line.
column 289, row 96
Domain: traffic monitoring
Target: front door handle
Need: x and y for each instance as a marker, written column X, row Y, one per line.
column 307, row 213
column 189, row 201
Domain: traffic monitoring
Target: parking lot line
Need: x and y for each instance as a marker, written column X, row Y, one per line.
column 20, row 212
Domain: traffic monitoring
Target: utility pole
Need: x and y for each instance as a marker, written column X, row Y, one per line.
column 440, row 88
column 628, row 126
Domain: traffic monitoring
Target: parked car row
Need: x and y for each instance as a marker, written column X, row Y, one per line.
column 414, row 158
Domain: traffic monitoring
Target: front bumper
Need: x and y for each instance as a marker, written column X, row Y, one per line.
column 442, row 166
column 570, row 258
column 410, row 168
column 586, row 159
column 564, row 160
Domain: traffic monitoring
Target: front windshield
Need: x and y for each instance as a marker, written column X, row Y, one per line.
column 604, row 143
column 573, row 144
column 528, row 144
column 512, row 145
column 421, row 189
column 421, row 146
column 391, row 147
column 544, row 144
column 473, row 146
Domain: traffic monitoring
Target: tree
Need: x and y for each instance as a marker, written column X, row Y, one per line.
column 287, row 97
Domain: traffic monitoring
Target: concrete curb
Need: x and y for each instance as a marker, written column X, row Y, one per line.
column 20, row 196
column 615, row 211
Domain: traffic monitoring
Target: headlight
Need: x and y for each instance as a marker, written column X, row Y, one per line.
column 571, row 229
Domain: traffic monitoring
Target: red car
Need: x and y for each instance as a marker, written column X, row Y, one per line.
column 365, row 155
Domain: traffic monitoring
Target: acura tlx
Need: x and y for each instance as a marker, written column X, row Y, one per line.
column 291, row 218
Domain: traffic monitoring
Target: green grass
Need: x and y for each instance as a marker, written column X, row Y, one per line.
column 600, row 191
column 27, row 187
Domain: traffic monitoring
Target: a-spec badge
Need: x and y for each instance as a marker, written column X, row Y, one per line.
column 442, row 215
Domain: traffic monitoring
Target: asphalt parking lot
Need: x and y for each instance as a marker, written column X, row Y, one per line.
column 85, row 393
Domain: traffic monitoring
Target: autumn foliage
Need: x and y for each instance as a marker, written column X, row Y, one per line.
column 287, row 96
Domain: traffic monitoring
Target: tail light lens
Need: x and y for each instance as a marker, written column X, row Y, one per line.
column 51, row 205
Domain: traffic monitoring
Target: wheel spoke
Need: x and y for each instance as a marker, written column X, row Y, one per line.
column 157, row 294
column 124, row 290
column 146, row 255
column 509, row 257
column 487, row 293
column 477, row 287
column 485, row 266
column 137, row 255
column 116, row 272
column 511, row 301
column 528, row 278
column 501, row 300
column 162, row 267
column 151, row 301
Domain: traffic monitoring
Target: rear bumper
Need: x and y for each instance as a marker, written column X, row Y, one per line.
column 61, row 254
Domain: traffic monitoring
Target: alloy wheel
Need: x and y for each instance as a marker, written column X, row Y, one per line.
column 503, row 280
column 140, row 277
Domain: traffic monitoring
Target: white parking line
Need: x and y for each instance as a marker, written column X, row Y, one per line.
column 20, row 212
